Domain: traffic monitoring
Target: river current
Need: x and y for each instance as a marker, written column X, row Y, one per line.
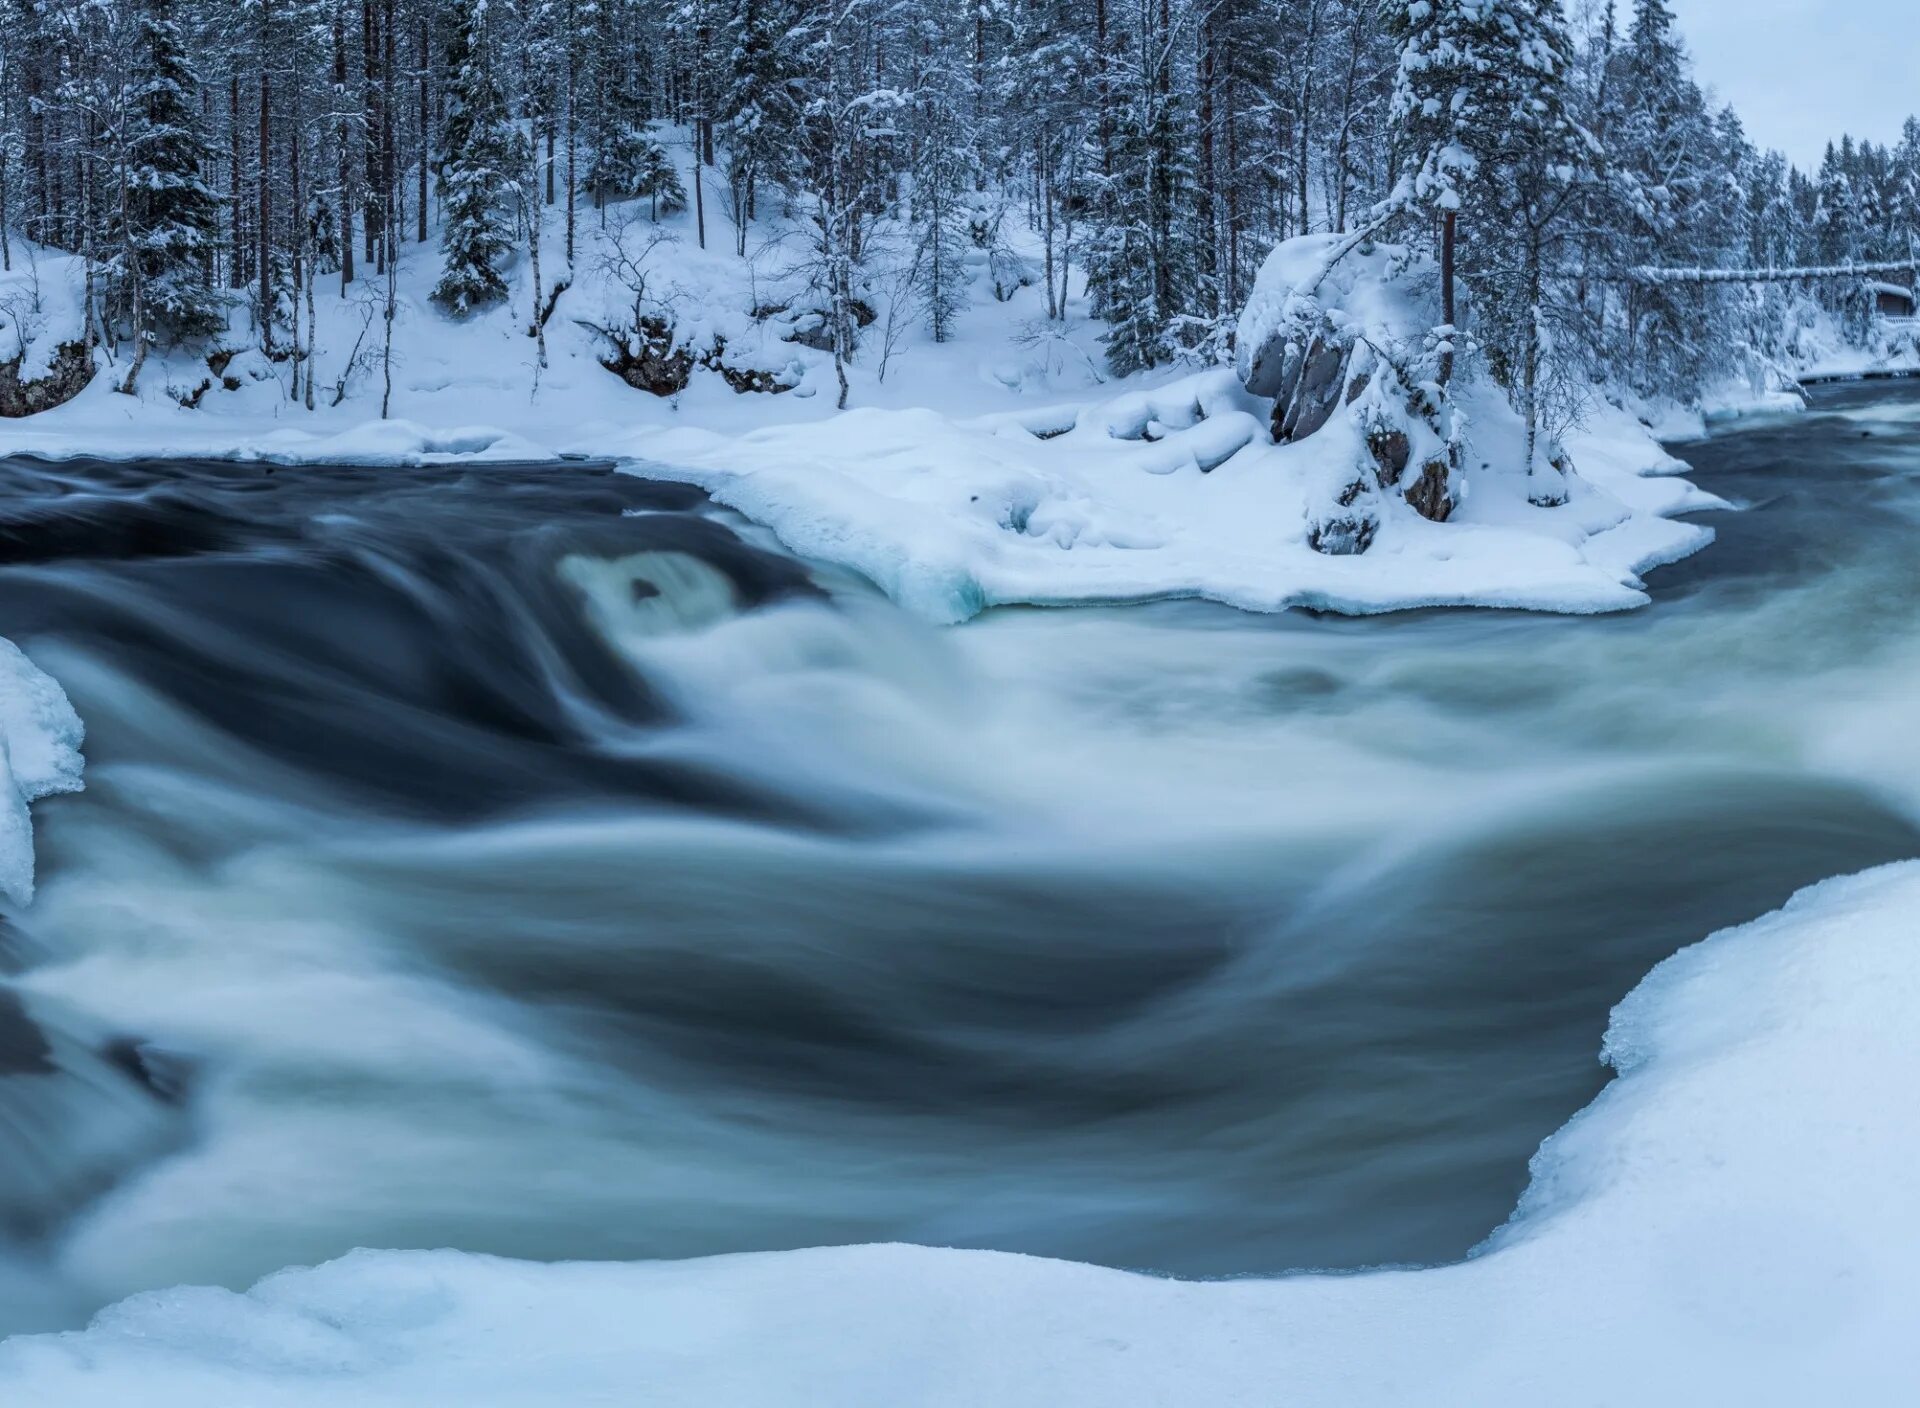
column 539, row 861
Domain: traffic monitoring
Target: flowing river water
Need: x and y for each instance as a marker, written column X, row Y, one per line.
column 540, row 862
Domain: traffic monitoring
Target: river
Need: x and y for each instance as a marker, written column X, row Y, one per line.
column 538, row 861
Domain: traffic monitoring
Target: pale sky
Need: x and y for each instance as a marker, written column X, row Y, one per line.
column 1801, row 72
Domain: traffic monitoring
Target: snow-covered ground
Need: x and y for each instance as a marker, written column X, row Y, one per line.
column 949, row 483
column 1174, row 491
column 1731, row 1221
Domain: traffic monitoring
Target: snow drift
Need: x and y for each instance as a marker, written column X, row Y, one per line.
column 40, row 738
column 1730, row 1221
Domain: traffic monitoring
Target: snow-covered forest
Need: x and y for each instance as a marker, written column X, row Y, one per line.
column 222, row 169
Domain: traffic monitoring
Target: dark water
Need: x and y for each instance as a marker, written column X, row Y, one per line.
column 532, row 861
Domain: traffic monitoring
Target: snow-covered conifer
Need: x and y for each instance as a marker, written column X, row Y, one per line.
column 480, row 164
column 172, row 216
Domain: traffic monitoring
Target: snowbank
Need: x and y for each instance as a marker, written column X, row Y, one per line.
column 1730, row 1222
column 40, row 738
column 40, row 308
column 1178, row 491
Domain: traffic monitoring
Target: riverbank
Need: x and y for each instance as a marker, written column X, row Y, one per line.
column 997, row 468
column 633, row 988
column 1731, row 1217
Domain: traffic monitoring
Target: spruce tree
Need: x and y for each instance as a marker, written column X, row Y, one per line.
column 172, row 216
column 1141, row 263
column 616, row 113
column 943, row 170
column 759, row 109
column 1536, row 164
column 1456, row 62
column 478, row 171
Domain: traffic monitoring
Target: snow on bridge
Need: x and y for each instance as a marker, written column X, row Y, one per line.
column 1648, row 274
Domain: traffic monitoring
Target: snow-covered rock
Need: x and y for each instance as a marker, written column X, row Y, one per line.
column 40, row 739
column 1731, row 1221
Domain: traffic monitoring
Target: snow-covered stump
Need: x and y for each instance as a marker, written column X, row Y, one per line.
column 1335, row 344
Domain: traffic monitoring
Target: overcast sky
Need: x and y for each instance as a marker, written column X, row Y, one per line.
column 1801, row 72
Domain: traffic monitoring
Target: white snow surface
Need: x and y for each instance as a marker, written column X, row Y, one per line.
column 1177, row 490
column 40, row 739
column 935, row 485
column 1730, row 1221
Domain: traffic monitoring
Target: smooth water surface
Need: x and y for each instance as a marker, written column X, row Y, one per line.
column 536, row 861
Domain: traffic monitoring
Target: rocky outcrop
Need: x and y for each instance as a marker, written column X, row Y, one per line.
column 812, row 328
column 1337, row 331
column 69, row 374
column 647, row 358
column 1310, row 380
column 650, row 358
column 1350, row 529
column 1431, row 494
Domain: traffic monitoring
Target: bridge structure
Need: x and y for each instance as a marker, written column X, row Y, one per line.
column 1655, row 276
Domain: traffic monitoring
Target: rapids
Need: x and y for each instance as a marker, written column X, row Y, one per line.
column 540, row 861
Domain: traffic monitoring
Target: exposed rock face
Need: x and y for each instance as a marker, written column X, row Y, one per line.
column 1391, row 449
column 810, row 327
column 1430, row 494
column 647, row 359
column 1350, row 530
column 744, row 379
column 1337, row 329
column 1309, row 384
column 72, row 369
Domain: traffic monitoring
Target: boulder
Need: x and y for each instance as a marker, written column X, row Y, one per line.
column 69, row 374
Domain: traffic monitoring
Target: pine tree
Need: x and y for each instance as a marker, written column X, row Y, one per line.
column 172, row 217
column 478, row 168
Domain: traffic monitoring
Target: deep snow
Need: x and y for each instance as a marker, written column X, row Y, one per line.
column 1730, row 1221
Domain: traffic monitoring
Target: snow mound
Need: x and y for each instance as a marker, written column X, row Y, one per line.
column 1179, row 491
column 1730, row 1221
column 395, row 442
column 40, row 739
column 40, row 308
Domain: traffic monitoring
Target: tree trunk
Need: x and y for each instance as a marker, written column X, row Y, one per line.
column 299, row 213
column 237, row 273
column 266, row 208
column 699, row 196
column 391, row 214
column 389, row 233
column 1208, row 193
column 346, row 144
column 573, row 126
column 426, row 125
column 374, row 207
column 1449, row 222
column 1303, row 115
